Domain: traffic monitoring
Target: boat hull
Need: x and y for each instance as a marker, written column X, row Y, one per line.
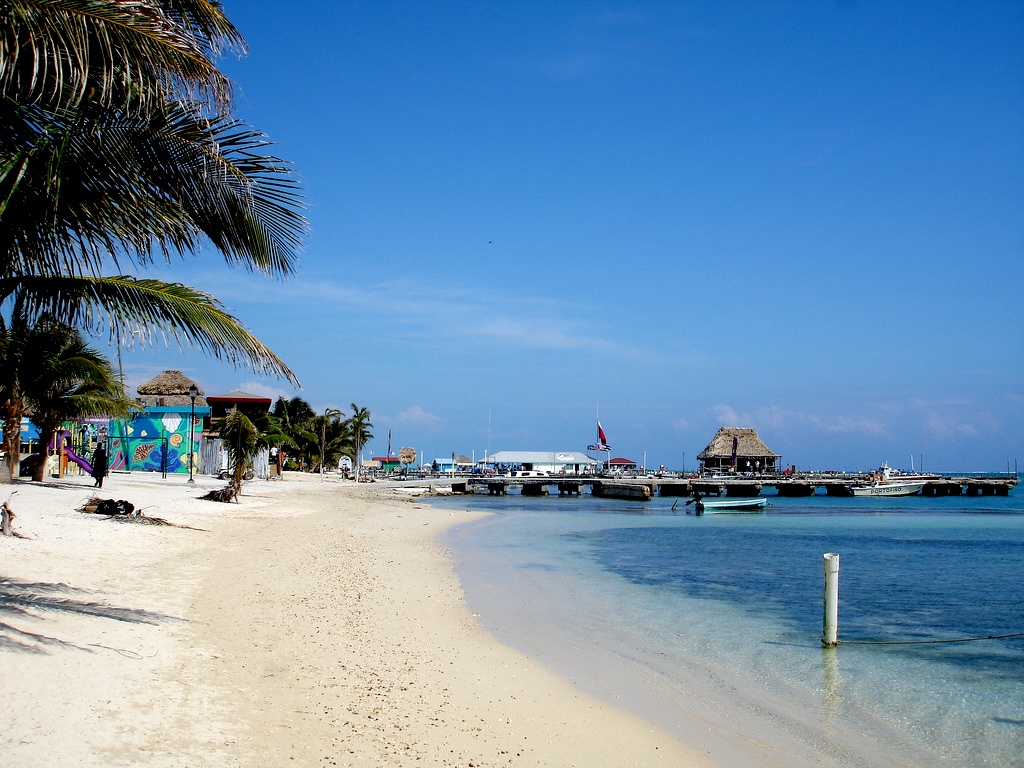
column 888, row 489
column 731, row 506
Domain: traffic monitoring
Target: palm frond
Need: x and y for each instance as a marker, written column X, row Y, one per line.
column 104, row 183
column 115, row 52
column 121, row 303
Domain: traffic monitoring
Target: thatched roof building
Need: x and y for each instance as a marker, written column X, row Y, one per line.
column 246, row 402
column 738, row 449
column 170, row 388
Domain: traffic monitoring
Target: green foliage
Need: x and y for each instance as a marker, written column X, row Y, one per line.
column 116, row 143
column 68, row 380
column 243, row 442
column 46, row 368
column 319, row 441
column 294, row 411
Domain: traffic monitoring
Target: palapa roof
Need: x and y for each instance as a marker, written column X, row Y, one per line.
column 749, row 446
column 170, row 388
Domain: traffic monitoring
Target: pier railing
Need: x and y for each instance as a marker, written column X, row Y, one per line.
column 798, row 484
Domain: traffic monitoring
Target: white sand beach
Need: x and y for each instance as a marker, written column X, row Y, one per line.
column 313, row 623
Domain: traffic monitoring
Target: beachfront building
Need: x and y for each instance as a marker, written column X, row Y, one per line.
column 164, row 437
column 383, row 463
column 621, row 465
column 214, row 459
column 456, row 464
column 555, row 462
column 738, row 449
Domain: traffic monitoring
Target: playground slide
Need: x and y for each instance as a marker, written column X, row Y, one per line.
column 70, row 453
column 72, row 456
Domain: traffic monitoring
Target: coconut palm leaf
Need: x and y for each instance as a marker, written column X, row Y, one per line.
column 121, row 304
column 61, row 52
column 101, row 183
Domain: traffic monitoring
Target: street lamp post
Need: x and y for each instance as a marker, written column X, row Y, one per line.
column 193, row 391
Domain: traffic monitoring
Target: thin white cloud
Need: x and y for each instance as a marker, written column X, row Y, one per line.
column 540, row 335
column 259, row 388
column 435, row 311
column 729, row 417
column 418, row 417
column 841, row 424
column 949, row 428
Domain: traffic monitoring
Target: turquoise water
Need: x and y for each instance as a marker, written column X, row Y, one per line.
column 655, row 608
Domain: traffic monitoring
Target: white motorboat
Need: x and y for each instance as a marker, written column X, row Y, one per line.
column 884, row 483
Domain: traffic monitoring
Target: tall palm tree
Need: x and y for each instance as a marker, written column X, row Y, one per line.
column 359, row 426
column 273, row 429
column 67, row 379
column 47, row 368
column 116, row 144
column 14, row 342
column 331, row 416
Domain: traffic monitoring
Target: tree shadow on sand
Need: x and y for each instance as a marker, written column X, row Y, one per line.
column 37, row 599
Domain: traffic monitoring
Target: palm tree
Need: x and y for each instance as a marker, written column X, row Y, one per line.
column 47, row 368
column 243, row 442
column 67, row 379
column 273, row 429
column 116, row 144
column 14, row 341
column 331, row 416
column 359, row 427
column 294, row 411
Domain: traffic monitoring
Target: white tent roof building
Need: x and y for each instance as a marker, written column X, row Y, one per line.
column 558, row 462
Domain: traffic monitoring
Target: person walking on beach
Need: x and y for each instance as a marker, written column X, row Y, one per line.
column 99, row 465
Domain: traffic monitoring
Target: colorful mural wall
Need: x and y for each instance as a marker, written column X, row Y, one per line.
column 158, row 440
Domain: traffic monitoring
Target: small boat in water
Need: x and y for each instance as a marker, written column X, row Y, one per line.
column 713, row 506
column 884, row 483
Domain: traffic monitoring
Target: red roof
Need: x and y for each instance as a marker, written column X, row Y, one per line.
column 620, row 460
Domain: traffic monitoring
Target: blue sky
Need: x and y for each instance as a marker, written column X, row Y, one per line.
column 804, row 217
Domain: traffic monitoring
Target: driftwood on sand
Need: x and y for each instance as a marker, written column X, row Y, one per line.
column 125, row 512
column 6, row 519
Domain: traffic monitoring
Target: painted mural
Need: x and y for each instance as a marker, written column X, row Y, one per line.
column 158, row 440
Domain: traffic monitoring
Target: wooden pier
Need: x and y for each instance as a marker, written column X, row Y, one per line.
column 833, row 484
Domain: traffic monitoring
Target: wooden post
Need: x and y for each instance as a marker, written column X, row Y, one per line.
column 830, row 619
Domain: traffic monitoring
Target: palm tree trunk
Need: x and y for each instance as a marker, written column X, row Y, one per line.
column 12, row 444
column 46, row 433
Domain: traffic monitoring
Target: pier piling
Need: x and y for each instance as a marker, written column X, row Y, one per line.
column 830, row 619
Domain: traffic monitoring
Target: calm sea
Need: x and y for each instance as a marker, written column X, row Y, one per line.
column 655, row 609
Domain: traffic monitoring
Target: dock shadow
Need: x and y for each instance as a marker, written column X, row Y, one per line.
column 38, row 599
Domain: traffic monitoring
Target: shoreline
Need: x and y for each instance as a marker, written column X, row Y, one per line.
column 315, row 622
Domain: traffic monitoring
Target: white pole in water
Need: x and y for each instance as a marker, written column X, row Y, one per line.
column 830, row 620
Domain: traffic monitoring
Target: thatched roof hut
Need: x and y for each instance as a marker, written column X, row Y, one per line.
column 170, row 388
column 751, row 454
